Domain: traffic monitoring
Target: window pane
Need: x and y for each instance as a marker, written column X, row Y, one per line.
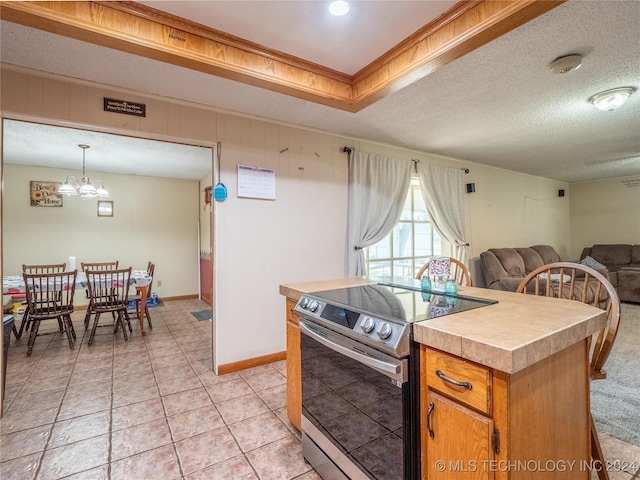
column 419, row 262
column 420, row 213
column 403, row 241
column 437, row 243
column 382, row 249
column 380, row 268
column 405, row 250
column 403, row 268
column 423, row 239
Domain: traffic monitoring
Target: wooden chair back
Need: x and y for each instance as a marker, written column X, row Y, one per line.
column 98, row 265
column 574, row 281
column 50, row 295
column 108, row 289
column 37, row 269
column 151, row 267
column 84, row 266
column 459, row 272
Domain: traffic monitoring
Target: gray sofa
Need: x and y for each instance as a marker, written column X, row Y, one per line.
column 623, row 263
column 504, row 268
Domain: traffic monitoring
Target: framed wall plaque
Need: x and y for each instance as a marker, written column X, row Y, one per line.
column 44, row 194
column 105, row 208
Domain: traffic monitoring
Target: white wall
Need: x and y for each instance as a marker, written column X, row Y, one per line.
column 606, row 211
column 146, row 226
column 300, row 236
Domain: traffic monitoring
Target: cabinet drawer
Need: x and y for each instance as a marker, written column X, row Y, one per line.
column 444, row 370
column 291, row 316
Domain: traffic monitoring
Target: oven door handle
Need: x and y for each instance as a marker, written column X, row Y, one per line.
column 389, row 368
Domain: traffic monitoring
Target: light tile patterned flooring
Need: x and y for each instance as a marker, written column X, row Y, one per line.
column 151, row 408
column 148, row 408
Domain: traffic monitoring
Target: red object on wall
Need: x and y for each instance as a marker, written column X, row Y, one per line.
column 207, row 195
column 206, row 278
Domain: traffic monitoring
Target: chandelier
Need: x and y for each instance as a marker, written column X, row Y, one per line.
column 83, row 187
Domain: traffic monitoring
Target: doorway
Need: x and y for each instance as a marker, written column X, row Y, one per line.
column 151, row 202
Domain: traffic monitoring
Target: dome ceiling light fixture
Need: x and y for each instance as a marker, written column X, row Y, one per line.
column 609, row 100
column 566, row 63
column 339, row 8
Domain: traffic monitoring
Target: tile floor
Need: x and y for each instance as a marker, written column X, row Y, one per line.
column 151, row 408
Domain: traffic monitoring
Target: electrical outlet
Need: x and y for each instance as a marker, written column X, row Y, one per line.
column 159, row 283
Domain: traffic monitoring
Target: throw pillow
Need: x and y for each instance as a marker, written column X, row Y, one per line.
column 593, row 263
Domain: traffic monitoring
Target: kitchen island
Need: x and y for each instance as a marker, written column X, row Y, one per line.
column 527, row 415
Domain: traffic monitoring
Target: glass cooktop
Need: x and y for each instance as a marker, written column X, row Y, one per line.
column 397, row 302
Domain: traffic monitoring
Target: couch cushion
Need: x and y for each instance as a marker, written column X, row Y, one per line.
column 612, row 255
column 635, row 255
column 531, row 258
column 547, row 253
column 511, row 261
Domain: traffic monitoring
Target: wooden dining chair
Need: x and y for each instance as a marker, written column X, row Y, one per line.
column 50, row 297
column 99, row 265
column 109, row 293
column 459, row 272
column 95, row 266
column 33, row 270
column 574, row 281
column 138, row 298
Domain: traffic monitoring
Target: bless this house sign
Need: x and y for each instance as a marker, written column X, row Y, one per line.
column 127, row 108
column 45, row 194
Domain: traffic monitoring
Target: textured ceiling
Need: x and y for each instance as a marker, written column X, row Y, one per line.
column 45, row 145
column 498, row 105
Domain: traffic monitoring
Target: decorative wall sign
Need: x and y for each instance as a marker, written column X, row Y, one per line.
column 256, row 182
column 45, row 194
column 127, row 108
column 105, row 208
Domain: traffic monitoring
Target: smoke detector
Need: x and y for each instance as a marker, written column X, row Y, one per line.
column 566, row 64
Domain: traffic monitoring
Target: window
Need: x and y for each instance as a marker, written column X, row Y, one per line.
column 406, row 248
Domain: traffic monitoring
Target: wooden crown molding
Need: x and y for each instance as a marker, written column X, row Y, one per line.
column 134, row 28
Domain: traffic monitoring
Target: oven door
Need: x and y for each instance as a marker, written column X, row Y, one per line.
column 355, row 408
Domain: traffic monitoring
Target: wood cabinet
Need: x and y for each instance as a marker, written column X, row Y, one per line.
column 294, row 373
column 480, row 423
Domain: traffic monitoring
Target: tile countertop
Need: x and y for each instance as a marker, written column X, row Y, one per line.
column 515, row 333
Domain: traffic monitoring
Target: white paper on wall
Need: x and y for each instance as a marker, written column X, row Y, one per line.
column 256, row 182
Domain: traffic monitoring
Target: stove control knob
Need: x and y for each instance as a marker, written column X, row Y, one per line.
column 368, row 325
column 304, row 303
column 314, row 306
column 385, row 331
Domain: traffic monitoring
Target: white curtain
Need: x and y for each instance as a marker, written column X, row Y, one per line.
column 443, row 193
column 377, row 190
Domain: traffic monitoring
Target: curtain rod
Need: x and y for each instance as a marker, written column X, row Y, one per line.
column 414, row 160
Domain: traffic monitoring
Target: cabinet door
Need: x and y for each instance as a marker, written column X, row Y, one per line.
column 294, row 374
column 461, row 443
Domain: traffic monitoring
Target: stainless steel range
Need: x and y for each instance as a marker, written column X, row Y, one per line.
column 360, row 377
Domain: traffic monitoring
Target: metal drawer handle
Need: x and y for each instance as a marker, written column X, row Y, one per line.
column 444, row 378
column 429, row 411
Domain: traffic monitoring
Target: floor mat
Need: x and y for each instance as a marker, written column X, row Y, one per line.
column 202, row 315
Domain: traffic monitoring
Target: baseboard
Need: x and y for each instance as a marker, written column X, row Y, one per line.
column 251, row 362
column 180, row 297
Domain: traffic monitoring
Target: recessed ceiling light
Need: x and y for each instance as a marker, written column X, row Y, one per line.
column 339, row 8
column 611, row 99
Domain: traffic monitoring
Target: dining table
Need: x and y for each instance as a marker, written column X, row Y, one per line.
column 140, row 279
